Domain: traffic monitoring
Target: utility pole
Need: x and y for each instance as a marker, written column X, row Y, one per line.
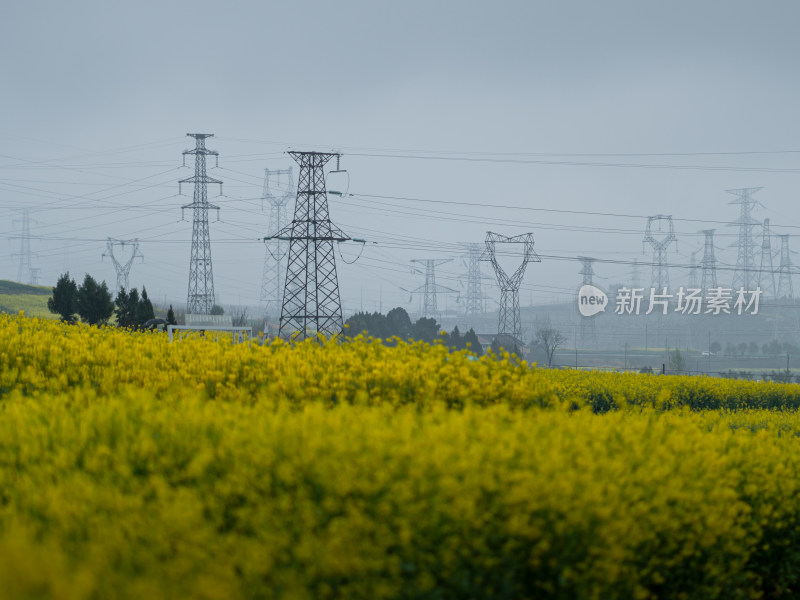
column 660, row 239
column 744, row 273
column 123, row 269
column 278, row 191
column 509, row 320
column 708, row 279
column 200, row 296
column 311, row 301
column 766, row 274
column 430, row 289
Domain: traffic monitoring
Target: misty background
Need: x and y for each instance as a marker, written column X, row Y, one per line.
column 572, row 120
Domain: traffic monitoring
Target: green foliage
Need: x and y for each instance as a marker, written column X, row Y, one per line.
column 171, row 320
column 472, row 343
column 134, row 311
column 395, row 324
column 425, row 330
column 399, row 322
column 217, row 310
column 64, row 301
column 374, row 324
column 93, row 301
column 144, row 310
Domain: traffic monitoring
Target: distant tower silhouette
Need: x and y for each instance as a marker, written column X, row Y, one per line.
column 430, row 289
column 200, row 297
column 766, row 274
column 785, row 289
column 709, row 264
column 588, row 328
column 693, row 268
column 26, row 273
column 123, row 269
column 510, row 322
column 744, row 275
column 587, row 270
column 636, row 279
column 660, row 238
column 278, row 191
column 475, row 300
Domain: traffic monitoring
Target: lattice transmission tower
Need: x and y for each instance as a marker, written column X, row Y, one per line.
column 744, row 275
column 636, row 279
column 200, row 297
column 278, row 191
column 785, row 289
column 430, row 289
column 509, row 322
column 766, row 274
column 311, row 301
column 693, row 268
column 660, row 237
column 26, row 273
column 476, row 304
column 123, row 269
column 709, row 265
column 588, row 328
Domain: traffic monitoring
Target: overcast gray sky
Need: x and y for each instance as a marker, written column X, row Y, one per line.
column 590, row 107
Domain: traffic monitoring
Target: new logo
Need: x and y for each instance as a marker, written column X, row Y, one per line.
column 591, row 300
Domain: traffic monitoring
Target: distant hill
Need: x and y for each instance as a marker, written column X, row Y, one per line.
column 32, row 299
column 12, row 287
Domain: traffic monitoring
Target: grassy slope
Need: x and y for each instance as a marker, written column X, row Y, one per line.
column 32, row 299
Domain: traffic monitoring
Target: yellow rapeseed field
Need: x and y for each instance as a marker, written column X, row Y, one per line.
column 135, row 468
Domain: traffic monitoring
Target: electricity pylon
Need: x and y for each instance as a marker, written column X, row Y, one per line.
column 709, row 265
column 200, row 296
column 660, row 239
column 430, row 288
column 693, row 268
column 588, row 328
column 509, row 320
column 475, row 300
column 26, row 272
column 123, row 269
column 278, row 191
column 785, row 289
column 744, row 273
column 311, row 301
column 766, row 274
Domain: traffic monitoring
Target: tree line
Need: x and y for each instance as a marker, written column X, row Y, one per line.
column 92, row 303
column 397, row 324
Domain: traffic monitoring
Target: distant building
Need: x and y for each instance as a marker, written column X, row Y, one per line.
column 506, row 341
